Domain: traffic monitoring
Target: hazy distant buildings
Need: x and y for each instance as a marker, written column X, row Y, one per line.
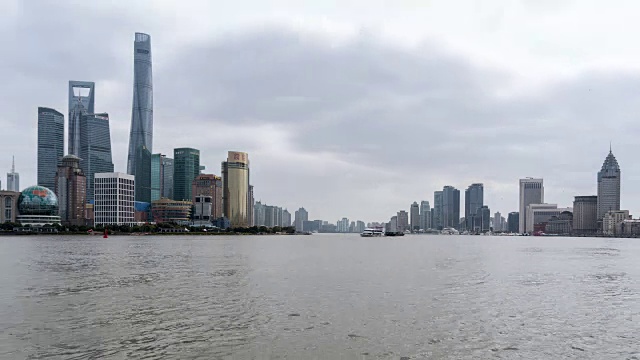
column 236, row 195
column 513, row 222
column 436, row 221
column 95, row 148
column 70, row 186
column 538, row 215
column 425, row 215
column 13, row 178
column 343, row 225
column 114, row 199
column 585, row 215
column 50, row 145
column 301, row 215
column 450, row 207
column 483, row 219
column 81, row 102
column 360, row 226
column 414, row 212
column 531, row 192
column 473, row 200
column 497, row 221
column 186, row 166
column 611, row 219
column 608, row 186
column 141, row 133
column 402, row 221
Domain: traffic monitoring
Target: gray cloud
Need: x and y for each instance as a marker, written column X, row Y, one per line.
column 359, row 129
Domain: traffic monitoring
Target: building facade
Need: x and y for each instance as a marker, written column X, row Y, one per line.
column 81, row 102
column 513, row 222
column 425, row 215
column 114, row 195
column 8, row 206
column 171, row 211
column 473, row 200
column 186, row 166
column 608, row 186
column 561, row 224
column 611, row 220
column 95, row 148
column 415, row 217
column 585, row 215
column 71, row 189
column 482, row 218
column 531, row 192
column 301, row 215
column 202, row 210
column 403, row 221
column 436, row 221
column 540, row 214
column 141, row 134
column 13, row 178
column 50, row 145
column 209, row 185
column 450, row 207
column 236, row 195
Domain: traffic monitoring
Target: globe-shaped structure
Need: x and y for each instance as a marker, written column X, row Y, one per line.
column 38, row 200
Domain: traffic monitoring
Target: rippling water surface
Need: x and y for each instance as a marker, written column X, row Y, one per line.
column 319, row 297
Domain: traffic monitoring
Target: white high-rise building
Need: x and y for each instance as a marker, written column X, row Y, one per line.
column 531, row 192
column 301, row 216
column 114, row 195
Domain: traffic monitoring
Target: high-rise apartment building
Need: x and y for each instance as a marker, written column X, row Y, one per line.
column 585, row 215
column 415, row 217
column 437, row 216
column 237, row 200
column 513, row 222
column 301, row 215
column 50, row 145
column 186, row 166
column 450, row 207
column 425, row 215
column 531, row 192
column 13, row 178
column 497, row 221
column 141, row 134
column 286, row 218
column 473, row 200
column 114, row 195
column 483, row 219
column 70, row 185
column 95, row 148
column 81, row 102
column 403, row 221
column 608, row 186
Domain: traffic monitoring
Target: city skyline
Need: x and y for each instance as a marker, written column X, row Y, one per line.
column 281, row 149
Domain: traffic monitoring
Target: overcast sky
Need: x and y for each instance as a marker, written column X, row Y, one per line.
column 354, row 110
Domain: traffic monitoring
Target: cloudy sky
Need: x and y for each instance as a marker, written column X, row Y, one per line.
column 354, row 110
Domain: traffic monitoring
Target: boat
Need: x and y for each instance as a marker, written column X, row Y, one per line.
column 372, row 232
column 393, row 233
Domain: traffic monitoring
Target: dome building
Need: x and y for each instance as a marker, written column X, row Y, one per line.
column 37, row 206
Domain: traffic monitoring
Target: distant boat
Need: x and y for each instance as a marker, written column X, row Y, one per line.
column 393, row 233
column 372, row 232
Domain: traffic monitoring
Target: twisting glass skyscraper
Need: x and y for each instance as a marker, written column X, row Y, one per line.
column 141, row 135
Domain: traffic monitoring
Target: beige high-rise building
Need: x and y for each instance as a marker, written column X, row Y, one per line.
column 531, row 192
column 235, row 193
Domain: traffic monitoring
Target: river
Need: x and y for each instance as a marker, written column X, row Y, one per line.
column 325, row 296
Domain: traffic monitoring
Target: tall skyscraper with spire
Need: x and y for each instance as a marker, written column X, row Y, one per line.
column 141, row 134
column 81, row 102
column 13, row 178
column 608, row 186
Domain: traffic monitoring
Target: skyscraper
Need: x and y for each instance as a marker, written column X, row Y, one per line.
column 186, row 166
column 608, row 186
column 114, row 199
column 141, row 134
column 236, row 192
column 167, row 169
column 531, row 192
column 157, row 179
column 403, row 221
column 95, row 148
column 585, row 215
column 71, row 188
column 50, row 145
column 497, row 221
column 450, row 207
column 415, row 217
column 13, row 178
column 301, row 215
column 513, row 222
column 251, row 201
column 209, row 185
column 473, row 200
column 438, row 204
column 81, row 102
column 425, row 215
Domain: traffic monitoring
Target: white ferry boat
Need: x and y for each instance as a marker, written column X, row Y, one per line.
column 372, row 232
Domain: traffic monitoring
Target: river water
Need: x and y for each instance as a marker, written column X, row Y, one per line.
column 319, row 297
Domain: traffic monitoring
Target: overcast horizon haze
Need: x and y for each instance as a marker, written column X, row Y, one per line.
column 354, row 111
